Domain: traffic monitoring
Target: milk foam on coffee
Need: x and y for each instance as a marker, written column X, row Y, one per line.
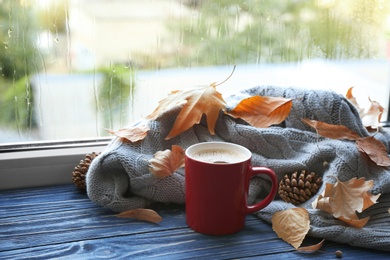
column 219, row 156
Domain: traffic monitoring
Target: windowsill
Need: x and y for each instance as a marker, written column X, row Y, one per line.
column 43, row 166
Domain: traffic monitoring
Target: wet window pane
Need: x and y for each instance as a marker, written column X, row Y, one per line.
column 70, row 69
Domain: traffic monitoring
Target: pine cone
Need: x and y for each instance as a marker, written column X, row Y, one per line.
column 80, row 171
column 299, row 187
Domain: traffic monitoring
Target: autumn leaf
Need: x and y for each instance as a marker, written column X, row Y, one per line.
column 164, row 163
column 132, row 134
column 370, row 116
column 353, row 100
column 195, row 102
column 375, row 150
column 312, row 248
column 332, row 131
column 291, row 225
column 344, row 199
column 262, row 111
column 148, row 215
column 175, row 98
column 358, row 223
column 373, row 115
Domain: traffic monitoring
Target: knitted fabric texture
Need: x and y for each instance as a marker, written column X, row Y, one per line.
column 119, row 178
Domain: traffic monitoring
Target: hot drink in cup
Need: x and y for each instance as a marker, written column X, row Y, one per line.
column 217, row 176
column 219, row 155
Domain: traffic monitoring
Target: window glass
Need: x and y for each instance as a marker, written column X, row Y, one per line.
column 70, row 69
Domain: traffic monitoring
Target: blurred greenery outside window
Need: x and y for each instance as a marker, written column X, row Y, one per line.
column 71, row 68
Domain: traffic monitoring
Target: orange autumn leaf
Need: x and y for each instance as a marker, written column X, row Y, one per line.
column 164, row 163
column 375, row 150
column 148, row 215
column 262, row 111
column 354, row 101
column 312, row 248
column 370, row 146
column 344, row 199
column 175, row 98
column 332, row 131
column 132, row 134
column 358, row 223
column 291, row 225
column 195, row 103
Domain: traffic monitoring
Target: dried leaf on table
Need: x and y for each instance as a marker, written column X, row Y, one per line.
column 148, row 215
column 291, row 225
column 332, row 131
column 262, row 111
column 312, row 248
column 196, row 102
column 375, row 150
column 164, row 163
column 344, row 199
column 132, row 134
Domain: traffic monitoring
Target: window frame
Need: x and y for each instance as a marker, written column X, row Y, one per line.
column 44, row 163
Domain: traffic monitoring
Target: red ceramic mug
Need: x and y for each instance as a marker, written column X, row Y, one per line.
column 217, row 176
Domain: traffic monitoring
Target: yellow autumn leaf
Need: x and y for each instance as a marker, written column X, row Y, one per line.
column 195, row 103
column 164, row 163
column 291, row 225
column 132, row 134
column 344, row 199
column 148, row 215
column 262, row 112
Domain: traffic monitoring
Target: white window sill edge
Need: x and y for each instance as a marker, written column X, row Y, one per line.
column 45, row 167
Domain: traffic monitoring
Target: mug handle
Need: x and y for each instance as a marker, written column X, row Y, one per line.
column 262, row 204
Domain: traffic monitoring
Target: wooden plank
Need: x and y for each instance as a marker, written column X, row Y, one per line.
column 49, row 193
column 256, row 240
column 59, row 222
column 43, row 193
column 170, row 244
column 42, row 200
column 70, row 225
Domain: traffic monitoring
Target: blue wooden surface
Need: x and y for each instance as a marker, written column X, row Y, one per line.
column 61, row 222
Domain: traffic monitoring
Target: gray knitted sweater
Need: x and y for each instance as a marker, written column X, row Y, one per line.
column 119, row 178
